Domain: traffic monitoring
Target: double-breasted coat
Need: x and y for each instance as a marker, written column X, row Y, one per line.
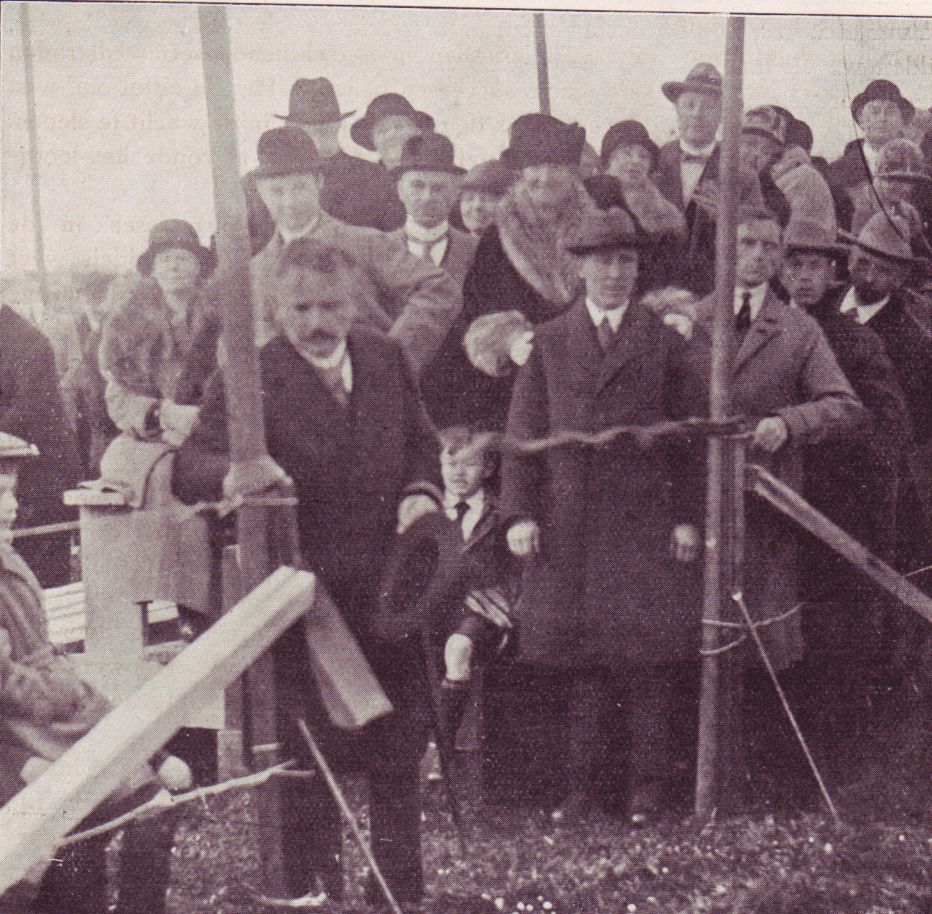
column 604, row 590
column 783, row 367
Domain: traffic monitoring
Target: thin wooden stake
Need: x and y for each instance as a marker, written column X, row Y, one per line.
column 543, row 72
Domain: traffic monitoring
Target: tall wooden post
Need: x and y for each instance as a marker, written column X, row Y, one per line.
column 33, row 132
column 246, row 419
column 543, row 73
column 716, row 704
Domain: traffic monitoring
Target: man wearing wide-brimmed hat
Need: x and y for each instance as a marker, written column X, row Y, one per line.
column 601, row 615
column 883, row 114
column 389, row 122
column 408, row 297
column 428, row 184
column 687, row 168
column 355, row 191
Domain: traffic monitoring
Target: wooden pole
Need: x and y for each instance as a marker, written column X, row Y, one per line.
column 33, row 132
column 543, row 73
column 245, row 416
column 720, row 482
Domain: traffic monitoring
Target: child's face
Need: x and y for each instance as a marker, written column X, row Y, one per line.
column 464, row 472
column 8, row 503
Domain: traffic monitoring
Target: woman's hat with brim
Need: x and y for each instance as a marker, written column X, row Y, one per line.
column 607, row 230
column 627, row 133
column 313, row 102
column 703, row 78
column 286, row 151
column 175, row 234
column 769, row 122
column 902, row 160
column 491, row 177
column 811, row 237
column 882, row 90
column 13, row 448
column 885, row 236
column 387, row 105
column 424, row 569
column 539, row 139
column 428, row 152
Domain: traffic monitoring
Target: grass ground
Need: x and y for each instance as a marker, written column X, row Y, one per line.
column 879, row 861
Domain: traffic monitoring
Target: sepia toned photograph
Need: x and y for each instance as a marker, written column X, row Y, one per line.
column 464, row 461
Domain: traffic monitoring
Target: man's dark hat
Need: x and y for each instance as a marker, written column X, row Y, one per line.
column 490, row 178
column 312, row 102
column 428, row 152
column 809, row 236
column 703, row 78
column 627, row 133
column 882, row 90
column 13, row 448
column 539, row 139
column 286, row 151
column 773, row 123
column 386, row 105
column 171, row 234
column 606, row 230
column 424, row 570
column 798, row 133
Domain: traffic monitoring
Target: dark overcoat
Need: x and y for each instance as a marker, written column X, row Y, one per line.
column 783, row 367
column 31, row 408
column 604, row 590
column 845, row 175
column 700, row 226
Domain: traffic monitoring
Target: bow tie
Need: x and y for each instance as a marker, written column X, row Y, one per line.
column 688, row 158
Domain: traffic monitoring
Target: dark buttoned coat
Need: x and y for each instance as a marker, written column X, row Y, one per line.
column 604, row 590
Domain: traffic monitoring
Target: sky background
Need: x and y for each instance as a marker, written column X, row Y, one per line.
column 122, row 117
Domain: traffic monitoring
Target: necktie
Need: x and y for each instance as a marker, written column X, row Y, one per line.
column 333, row 378
column 694, row 160
column 462, row 509
column 426, row 247
column 606, row 334
column 743, row 317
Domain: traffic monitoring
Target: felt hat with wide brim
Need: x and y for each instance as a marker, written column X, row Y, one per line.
column 809, row 236
column 703, row 78
column 313, row 102
column 606, row 230
column 425, row 568
column 387, row 105
column 885, row 236
column 427, row 152
column 175, row 234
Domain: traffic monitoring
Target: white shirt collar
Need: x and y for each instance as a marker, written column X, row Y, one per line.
column 599, row 314
column 690, row 150
column 425, row 235
column 862, row 313
column 288, row 237
column 871, row 155
column 476, row 503
column 758, row 294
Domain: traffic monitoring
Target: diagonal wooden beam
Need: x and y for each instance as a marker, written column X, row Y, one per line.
column 33, row 822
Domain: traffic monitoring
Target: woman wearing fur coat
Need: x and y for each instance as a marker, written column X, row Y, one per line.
column 147, row 342
column 520, row 271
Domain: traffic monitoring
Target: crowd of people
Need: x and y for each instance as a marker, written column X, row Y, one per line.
column 438, row 343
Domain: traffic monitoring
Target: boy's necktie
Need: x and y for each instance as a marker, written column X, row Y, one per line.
column 606, row 334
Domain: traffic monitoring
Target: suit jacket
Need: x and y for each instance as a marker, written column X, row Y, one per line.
column 783, row 367
column 700, row 226
column 459, row 255
column 351, row 467
column 604, row 590
column 355, row 191
column 407, row 297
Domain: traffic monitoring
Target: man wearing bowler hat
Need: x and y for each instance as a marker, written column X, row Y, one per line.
column 355, row 191
column 601, row 612
column 408, row 297
column 428, row 184
column 883, row 114
column 687, row 168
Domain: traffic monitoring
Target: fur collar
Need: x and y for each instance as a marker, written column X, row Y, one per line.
column 656, row 214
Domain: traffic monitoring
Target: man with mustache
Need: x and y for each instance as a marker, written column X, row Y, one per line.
column 343, row 419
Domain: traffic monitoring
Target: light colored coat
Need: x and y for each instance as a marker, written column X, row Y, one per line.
column 407, row 297
column 459, row 255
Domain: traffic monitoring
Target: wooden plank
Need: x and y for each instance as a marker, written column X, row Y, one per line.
column 793, row 505
column 42, row 813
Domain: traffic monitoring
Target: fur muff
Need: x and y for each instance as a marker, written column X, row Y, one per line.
column 489, row 340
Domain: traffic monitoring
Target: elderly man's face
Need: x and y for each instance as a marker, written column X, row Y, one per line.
column 758, row 152
column 477, row 207
column 176, row 270
column 428, row 196
column 759, row 254
column 293, row 200
column 610, row 276
column 315, row 310
column 698, row 115
column 875, row 278
column 807, row 275
column 389, row 135
column 882, row 121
